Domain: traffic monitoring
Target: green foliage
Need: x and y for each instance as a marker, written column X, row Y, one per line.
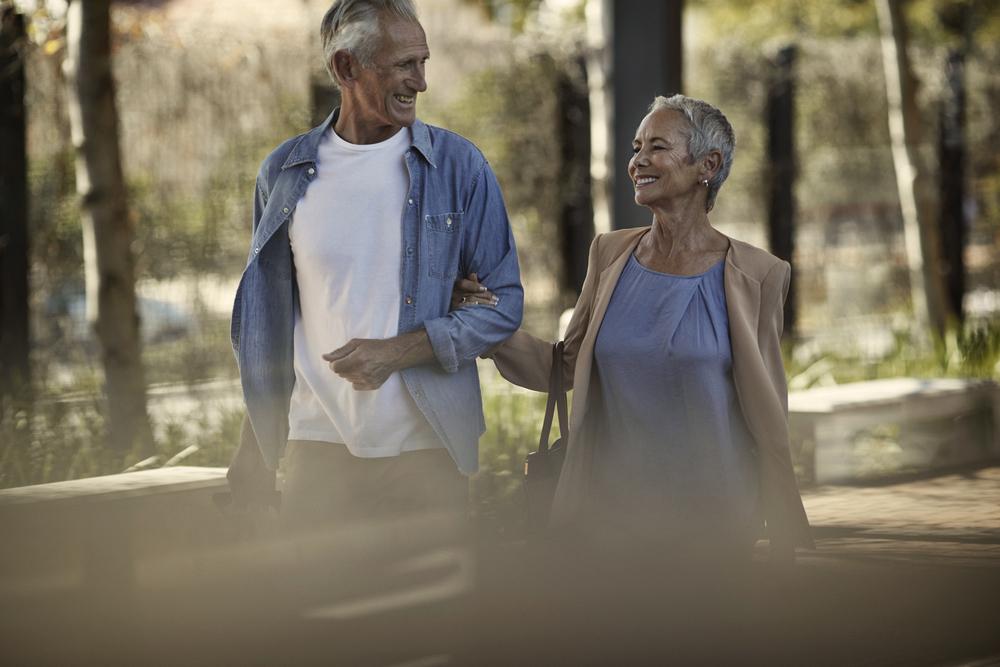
column 513, row 420
column 66, row 441
column 762, row 22
column 54, row 219
column 973, row 352
column 930, row 22
column 514, row 13
column 205, row 355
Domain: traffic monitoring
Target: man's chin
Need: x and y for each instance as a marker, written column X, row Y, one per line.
column 407, row 119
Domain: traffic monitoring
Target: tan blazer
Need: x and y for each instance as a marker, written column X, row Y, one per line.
column 756, row 283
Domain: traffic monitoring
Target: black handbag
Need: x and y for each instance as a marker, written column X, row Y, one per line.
column 542, row 467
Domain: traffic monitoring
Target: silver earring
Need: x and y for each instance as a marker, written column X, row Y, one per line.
column 705, row 182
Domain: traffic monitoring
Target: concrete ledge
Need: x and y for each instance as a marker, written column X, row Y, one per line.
column 110, row 488
column 92, row 532
column 865, row 429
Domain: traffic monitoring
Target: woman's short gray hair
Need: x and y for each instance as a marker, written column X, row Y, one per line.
column 710, row 131
column 352, row 25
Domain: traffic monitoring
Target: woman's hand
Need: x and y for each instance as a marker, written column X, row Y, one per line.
column 469, row 292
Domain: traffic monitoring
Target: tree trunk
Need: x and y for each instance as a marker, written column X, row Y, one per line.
column 576, row 217
column 951, row 183
column 15, row 378
column 107, row 230
column 781, row 174
column 919, row 227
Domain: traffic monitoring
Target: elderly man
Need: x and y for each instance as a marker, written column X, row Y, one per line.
column 347, row 349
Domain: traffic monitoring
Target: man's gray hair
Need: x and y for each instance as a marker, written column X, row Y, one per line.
column 353, row 26
column 710, row 131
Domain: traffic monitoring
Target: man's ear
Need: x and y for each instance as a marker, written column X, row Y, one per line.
column 345, row 68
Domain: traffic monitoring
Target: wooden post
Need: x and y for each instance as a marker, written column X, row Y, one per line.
column 781, row 171
column 646, row 45
column 577, row 209
column 951, row 183
column 15, row 369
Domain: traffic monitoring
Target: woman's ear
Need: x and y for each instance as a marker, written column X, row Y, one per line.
column 711, row 163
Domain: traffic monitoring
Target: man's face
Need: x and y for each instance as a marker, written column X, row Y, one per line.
column 386, row 91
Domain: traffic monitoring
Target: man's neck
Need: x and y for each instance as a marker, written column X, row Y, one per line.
column 356, row 130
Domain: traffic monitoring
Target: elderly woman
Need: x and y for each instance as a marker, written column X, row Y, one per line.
column 678, row 429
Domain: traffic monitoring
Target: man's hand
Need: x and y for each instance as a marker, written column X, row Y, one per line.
column 367, row 363
column 364, row 362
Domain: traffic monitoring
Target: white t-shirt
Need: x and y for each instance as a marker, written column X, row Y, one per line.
column 346, row 238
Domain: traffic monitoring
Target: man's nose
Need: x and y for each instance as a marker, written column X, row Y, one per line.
column 419, row 81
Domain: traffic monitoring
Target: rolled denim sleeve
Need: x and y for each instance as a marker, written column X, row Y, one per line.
column 488, row 250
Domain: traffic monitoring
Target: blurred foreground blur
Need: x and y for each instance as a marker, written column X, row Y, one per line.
column 905, row 573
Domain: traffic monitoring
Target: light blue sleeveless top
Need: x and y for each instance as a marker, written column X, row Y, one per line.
column 674, row 443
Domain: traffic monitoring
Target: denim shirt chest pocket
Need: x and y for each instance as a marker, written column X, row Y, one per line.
column 442, row 244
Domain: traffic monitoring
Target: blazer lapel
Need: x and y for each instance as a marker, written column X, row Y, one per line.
column 742, row 298
column 605, row 288
column 743, row 309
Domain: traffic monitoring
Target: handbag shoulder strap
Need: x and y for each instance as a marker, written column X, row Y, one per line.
column 556, row 399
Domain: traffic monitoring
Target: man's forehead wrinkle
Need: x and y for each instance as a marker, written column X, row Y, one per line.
column 400, row 40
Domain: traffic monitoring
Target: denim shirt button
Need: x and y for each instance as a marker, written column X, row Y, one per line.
column 410, row 201
column 284, row 210
column 311, row 171
column 256, row 250
column 409, row 250
column 409, row 300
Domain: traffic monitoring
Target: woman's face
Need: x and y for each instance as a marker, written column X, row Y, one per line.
column 661, row 168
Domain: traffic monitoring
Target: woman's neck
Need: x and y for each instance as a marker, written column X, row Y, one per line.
column 681, row 231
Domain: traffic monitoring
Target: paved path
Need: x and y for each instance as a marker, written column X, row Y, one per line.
column 948, row 520
column 905, row 573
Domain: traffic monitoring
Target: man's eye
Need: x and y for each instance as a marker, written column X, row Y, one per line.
column 635, row 149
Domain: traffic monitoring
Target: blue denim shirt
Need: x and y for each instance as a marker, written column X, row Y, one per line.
column 454, row 222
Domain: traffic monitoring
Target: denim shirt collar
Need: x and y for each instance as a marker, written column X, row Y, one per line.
column 305, row 150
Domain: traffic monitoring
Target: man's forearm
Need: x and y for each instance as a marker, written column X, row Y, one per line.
column 410, row 349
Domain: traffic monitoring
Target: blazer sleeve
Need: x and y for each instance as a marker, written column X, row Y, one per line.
column 526, row 360
column 785, row 515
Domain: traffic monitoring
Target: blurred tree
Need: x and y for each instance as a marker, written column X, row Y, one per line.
column 780, row 112
column 764, row 21
column 513, row 13
column 108, row 234
column 923, row 245
column 15, row 369
column 952, row 157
